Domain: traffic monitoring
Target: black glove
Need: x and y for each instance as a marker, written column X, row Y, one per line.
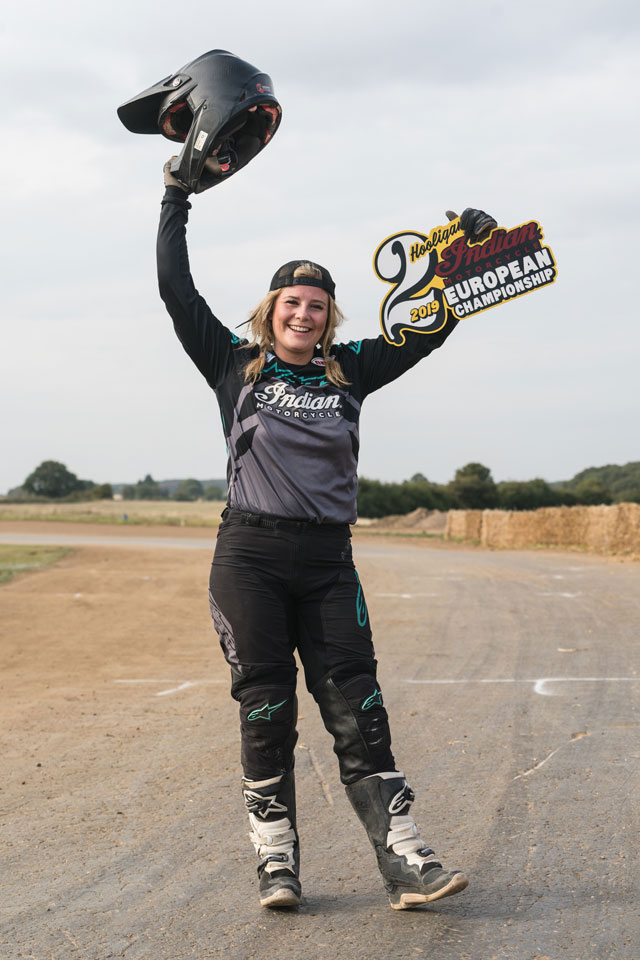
column 475, row 223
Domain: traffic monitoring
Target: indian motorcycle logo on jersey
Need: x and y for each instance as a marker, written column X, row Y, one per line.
column 282, row 398
column 437, row 273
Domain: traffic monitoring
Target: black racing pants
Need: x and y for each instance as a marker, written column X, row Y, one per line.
column 281, row 585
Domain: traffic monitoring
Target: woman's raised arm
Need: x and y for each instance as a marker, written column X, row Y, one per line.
column 207, row 341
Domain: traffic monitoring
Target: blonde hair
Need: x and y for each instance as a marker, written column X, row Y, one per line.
column 262, row 331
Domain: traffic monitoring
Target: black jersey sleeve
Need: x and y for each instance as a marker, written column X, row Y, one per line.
column 207, row 341
column 379, row 362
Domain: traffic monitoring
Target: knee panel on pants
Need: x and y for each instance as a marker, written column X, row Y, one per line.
column 268, row 715
column 350, row 702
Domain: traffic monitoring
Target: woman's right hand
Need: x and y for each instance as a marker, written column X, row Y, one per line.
column 211, row 163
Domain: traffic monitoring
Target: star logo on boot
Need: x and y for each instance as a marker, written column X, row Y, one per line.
column 262, row 806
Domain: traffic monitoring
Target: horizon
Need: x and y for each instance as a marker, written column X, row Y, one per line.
column 217, row 481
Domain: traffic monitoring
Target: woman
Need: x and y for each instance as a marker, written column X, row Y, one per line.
column 282, row 576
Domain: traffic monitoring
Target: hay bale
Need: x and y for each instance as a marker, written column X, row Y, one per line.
column 456, row 526
column 625, row 536
column 615, row 528
column 464, row 525
column 496, row 528
column 603, row 529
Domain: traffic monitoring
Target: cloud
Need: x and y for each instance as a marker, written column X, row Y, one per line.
column 391, row 115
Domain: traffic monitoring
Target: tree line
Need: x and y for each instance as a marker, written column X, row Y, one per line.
column 472, row 488
column 51, row 480
column 189, row 489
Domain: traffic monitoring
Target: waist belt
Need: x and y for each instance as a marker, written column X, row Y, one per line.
column 282, row 523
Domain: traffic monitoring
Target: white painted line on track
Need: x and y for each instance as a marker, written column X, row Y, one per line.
column 539, row 684
column 569, row 596
column 182, row 686
column 177, row 685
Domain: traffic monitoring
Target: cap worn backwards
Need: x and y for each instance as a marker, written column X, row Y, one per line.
column 284, row 277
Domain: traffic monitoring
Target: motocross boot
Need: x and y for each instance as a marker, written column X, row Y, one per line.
column 272, row 815
column 411, row 872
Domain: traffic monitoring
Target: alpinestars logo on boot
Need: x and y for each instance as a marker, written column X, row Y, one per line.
column 404, row 798
column 262, row 806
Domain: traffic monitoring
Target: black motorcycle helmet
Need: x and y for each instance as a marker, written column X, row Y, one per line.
column 222, row 109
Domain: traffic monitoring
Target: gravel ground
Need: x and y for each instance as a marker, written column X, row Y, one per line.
column 514, row 694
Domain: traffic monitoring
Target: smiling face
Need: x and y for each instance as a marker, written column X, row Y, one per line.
column 299, row 319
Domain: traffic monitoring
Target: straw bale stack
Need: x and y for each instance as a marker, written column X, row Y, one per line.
column 603, row 529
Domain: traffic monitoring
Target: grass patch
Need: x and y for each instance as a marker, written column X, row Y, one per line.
column 165, row 513
column 21, row 559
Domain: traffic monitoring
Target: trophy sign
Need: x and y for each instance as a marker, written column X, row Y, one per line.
column 221, row 108
column 435, row 274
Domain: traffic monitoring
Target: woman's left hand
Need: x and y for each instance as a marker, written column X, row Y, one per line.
column 475, row 223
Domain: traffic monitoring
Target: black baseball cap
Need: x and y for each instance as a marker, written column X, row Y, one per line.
column 284, row 277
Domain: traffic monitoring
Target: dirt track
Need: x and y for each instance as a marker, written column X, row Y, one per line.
column 123, row 829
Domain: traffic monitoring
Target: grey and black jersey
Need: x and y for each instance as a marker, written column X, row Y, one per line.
column 292, row 437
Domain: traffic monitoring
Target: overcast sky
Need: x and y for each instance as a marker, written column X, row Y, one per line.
column 392, row 113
